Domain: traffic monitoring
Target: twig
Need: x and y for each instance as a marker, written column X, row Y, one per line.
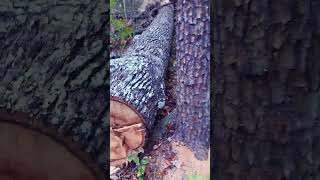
column 125, row 9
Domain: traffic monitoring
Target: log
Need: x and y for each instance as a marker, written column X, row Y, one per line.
column 53, row 81
column 137, row 78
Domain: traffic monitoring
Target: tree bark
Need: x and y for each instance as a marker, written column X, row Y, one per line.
column 193, row 57
column 53, row 66
column 267, row 90
column 137, row 78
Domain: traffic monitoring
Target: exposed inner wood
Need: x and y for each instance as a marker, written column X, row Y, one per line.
column 126, row 131
column 123, row 115
column 26, row 154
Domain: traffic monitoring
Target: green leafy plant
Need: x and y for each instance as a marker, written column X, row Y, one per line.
column 113, row 3
column 122, row 32
column 141, row 165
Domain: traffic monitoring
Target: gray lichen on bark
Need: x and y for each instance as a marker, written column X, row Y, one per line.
column 138, row 77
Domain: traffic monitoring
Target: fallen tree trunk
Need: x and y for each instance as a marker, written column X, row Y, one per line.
column 53, row 81
column 137, row 84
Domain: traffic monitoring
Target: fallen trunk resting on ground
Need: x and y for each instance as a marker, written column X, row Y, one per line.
column 137, row 86
column 53, row 73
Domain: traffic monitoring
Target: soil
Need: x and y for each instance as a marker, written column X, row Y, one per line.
column 187, row 165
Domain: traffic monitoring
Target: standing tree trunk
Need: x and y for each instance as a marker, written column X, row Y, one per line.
column 267, row 90
column 193, row 89
column 53, row 89
column 191, row 136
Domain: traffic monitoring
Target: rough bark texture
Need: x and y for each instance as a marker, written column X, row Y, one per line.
column 193, row 90
column 267, row 91
column 137, row 78
column 53, row 66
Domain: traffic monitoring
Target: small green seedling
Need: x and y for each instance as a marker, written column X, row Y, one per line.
column 123, row 32
column 141, row 165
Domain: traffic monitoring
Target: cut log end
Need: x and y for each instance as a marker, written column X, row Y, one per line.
column 122, row 114
column 127, row 131
column 26, row 153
